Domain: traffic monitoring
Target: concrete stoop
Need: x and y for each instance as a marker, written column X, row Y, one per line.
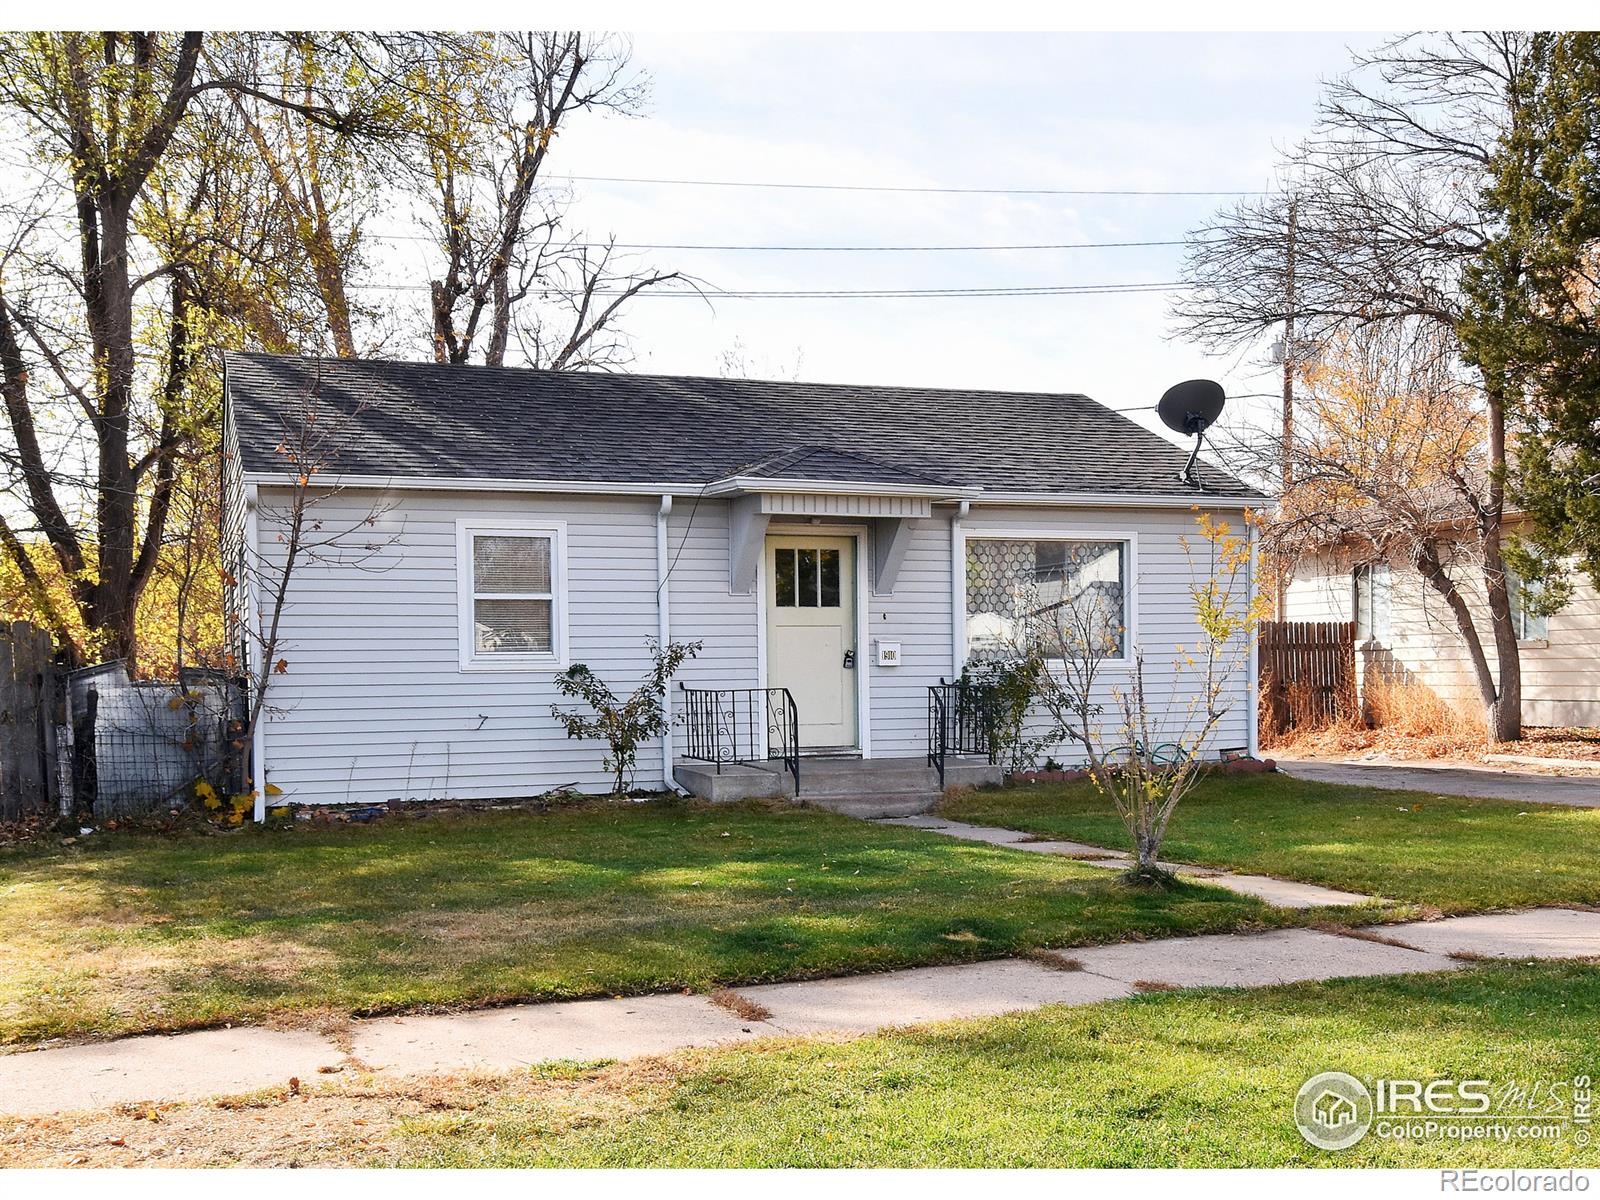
column 857, row 787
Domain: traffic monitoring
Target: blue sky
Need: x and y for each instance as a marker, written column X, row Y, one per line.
column 1159, row 111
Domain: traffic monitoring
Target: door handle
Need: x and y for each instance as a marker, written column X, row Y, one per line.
column 849, row 660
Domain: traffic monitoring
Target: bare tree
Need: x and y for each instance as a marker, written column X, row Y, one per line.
column 112, row 325
column 1386, row 195
column 1143, row 752
column 488, row 123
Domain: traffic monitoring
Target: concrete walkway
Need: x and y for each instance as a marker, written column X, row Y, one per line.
column 1280, row 893
column 190, row 1066
column 1452, row 779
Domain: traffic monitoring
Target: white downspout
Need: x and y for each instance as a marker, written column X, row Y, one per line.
column 958, row 590
column 1252, row 708
column 664, row 633
column 251, row 569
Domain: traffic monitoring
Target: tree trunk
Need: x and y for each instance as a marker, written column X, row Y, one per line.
column 1504, row 717
column 111, row 602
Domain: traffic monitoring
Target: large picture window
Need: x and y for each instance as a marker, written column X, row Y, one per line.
column 1069, row 591
column 510, row 595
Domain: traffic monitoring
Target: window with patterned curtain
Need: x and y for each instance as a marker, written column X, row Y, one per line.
column 1015, row 586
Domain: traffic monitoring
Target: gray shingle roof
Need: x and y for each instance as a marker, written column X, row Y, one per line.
column 424, row 419
column 821, row 463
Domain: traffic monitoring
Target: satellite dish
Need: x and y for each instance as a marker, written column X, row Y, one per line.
column 1190, row 408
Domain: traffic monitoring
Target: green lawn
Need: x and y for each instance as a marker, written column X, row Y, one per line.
column 1187, row 1079
column 1452, row 853
column 122, row 932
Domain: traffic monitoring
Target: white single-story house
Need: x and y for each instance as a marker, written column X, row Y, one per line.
column 1406, row 633
column 838, row 550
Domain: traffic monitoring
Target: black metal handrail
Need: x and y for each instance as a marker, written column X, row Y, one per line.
column 742, row 725
column 961, row 720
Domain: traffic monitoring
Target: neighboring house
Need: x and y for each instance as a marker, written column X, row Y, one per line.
column 1405, row 632
column 848, row 544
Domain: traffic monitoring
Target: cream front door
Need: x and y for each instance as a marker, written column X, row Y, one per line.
column 811, row 634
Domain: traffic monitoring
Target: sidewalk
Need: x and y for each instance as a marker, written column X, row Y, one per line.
column 1452, row 779
column 1280, row 893
column 190, row 1066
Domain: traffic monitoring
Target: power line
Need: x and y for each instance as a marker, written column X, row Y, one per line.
column 415, row 237
column 955, row 191
column 1093, row 289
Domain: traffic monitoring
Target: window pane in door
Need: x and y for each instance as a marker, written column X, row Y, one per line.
column 808, row 579
column 785, row 578
column 830, row 578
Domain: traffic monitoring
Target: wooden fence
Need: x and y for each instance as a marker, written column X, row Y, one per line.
column 30, row 711
column 1308, row 673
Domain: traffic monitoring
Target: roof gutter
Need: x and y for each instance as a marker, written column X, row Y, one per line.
column 1120, row 500
column 624, row 487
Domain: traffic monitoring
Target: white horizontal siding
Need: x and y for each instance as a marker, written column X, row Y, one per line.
column 1560, row 673
column 374, row 705
column 917, row 615
column 703, row 608
column 1164, row 621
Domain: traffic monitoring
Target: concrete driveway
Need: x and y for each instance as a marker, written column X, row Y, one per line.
column 1453, row 779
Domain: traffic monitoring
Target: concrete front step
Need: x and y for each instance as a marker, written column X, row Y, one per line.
column 876, row 805
column 813, row 787
column 826, row 779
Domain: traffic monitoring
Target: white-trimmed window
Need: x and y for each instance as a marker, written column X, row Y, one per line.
column 1374, row 602
column 511, row 581
column 1077, row 584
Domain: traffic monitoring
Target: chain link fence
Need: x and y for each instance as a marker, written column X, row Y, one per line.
column 138, row 747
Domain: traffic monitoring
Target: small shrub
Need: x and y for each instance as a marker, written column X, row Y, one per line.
column 623, row 725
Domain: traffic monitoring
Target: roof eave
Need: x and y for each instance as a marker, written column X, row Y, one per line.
column 747, row 485
column 1196, row 499
column 637, row 487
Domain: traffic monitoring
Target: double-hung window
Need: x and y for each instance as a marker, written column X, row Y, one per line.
column 1067, row 591
column 511, row 582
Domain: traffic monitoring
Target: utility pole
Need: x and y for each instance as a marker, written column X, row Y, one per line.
column 1289, row 351
column 1286, row 450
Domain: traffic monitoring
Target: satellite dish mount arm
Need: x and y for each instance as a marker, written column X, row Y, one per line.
column 1187, row 476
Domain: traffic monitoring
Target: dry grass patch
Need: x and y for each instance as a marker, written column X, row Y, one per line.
column 1400, row 720
column 1153, row 985
column 1362, row 933
column 360, row 1122
column 1056, row 961
column 740, row 1006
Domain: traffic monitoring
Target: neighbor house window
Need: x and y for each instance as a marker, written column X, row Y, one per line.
column 1066, row 591
column 1374, row 586
column 510, row 593
column 1529, row 626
